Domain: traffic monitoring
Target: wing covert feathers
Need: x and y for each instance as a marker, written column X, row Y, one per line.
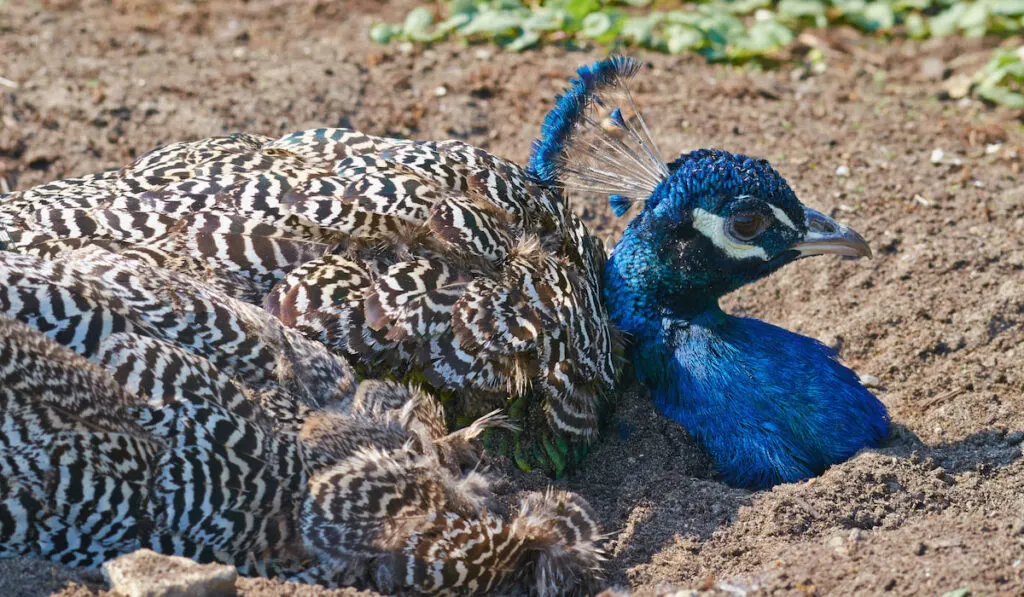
column 497, row 282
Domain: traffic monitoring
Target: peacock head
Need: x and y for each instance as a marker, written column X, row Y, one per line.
column 716, row 222
column 711, row 221
column 771, row 406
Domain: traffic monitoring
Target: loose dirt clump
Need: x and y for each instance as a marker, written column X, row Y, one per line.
column 935, row 321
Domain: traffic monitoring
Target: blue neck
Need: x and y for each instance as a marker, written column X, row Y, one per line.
column 769, row 405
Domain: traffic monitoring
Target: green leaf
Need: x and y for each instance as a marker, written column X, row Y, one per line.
column 1007, row 8
column 876, row 16
column 382, row 33
column 745, row 7
column 765, row 36
column 712, row 27
column 453, row 22
column 579, row 9
column 458, row 7
column 802, row 8
column 684, row 18
column 850, row 6
column 417, row 22
column 719, row 26
column 916, row 26
column 596, row 24
column 975, row 16
column 527, row 39
column 640, row 29
column 493, row 22
column 682, row 37
column 1002, row 96
column 905, row 5
column 1002, row 25
column 546, row 19
column 945, row 23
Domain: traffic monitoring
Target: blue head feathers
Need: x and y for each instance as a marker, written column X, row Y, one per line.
column 771, row 406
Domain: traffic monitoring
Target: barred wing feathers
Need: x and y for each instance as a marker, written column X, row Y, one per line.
column 496, row 281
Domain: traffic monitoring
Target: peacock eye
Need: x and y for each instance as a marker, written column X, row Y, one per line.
column 746, row 226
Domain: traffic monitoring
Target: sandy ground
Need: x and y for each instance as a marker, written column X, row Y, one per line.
column 937, row 317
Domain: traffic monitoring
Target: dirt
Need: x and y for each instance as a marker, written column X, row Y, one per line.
column 937, row 317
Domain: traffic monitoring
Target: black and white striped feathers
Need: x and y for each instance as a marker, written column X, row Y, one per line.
column 142, row 408
column 434, row 260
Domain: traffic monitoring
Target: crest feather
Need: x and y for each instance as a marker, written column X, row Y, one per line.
column 595, row 140
column 620, row 205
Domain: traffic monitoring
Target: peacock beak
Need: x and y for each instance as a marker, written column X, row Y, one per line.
column 825, row 236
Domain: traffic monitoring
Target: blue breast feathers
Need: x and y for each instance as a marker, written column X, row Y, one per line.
column 770, row 406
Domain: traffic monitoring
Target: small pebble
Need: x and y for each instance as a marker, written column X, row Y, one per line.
column 440, row 91
column 933, row 68
column 937, row 155
column 958, row 87
column 144, row 573
column 842, row 171
column 870, row 381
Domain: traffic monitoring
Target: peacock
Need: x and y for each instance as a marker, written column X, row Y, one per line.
column 143, row 408
column 439, row 264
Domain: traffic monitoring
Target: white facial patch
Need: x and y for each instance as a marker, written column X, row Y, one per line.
column 782, row 217
column 713, row 227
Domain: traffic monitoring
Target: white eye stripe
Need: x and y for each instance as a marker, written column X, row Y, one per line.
column 782, row 217
column 713, row 227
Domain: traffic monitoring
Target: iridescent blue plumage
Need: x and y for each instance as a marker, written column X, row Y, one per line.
column 569, row 109
column 771, row 406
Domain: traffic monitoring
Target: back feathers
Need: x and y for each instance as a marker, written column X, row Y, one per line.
column 432, row 259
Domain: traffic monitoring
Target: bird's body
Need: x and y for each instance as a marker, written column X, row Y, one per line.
column 282, row 264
